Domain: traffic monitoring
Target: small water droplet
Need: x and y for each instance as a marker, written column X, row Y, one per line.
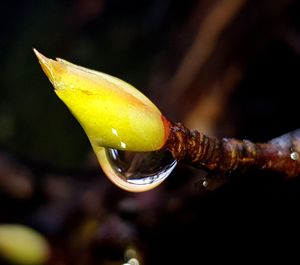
column 136, row 171
column 205, row 183
column 294, row 156
column 133, row 261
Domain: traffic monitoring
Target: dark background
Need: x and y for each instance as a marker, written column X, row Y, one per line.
column 227, row 68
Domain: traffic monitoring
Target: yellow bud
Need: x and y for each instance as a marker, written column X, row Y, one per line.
column 22, row 245
column 112, row 112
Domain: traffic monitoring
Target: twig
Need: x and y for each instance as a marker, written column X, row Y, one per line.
column 226, row 154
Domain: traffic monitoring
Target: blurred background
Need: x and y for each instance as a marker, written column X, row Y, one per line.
column 225, row 67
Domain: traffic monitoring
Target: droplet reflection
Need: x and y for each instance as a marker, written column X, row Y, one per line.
column 136, row 171
column 294, row 156
column 205, row 183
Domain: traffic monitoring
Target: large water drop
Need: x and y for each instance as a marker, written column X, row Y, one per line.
column 136, row 171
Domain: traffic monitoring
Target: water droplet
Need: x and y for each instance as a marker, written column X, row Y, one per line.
column 294, row 156
column 136, row 171
column 133, row 261
column 205, row 183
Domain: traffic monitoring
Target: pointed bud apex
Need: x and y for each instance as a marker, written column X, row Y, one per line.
column 112, row 112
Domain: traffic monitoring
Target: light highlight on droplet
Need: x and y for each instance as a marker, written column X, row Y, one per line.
column 135, row 171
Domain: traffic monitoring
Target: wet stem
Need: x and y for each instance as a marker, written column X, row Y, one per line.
column 225, row 155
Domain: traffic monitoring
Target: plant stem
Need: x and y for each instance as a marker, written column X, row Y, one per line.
column 227, row 154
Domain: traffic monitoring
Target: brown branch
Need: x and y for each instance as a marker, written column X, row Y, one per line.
column 226, row 154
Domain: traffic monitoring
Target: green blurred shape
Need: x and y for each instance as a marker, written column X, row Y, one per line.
column 22, row 245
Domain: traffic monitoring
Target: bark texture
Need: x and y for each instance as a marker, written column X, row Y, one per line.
column 227, row 154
